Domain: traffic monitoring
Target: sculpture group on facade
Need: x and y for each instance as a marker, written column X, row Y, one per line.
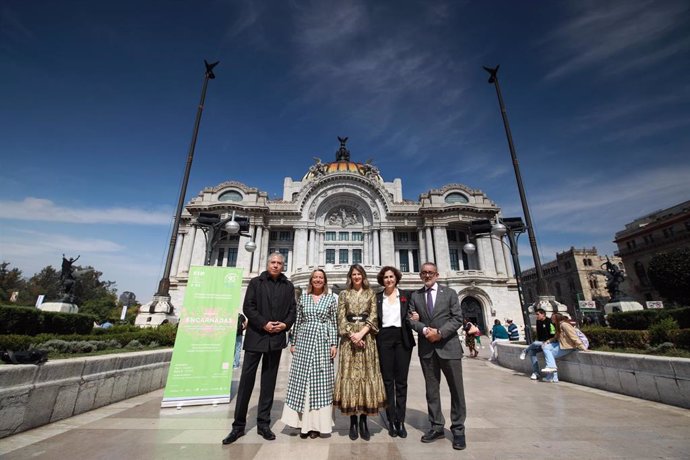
column 343, row 218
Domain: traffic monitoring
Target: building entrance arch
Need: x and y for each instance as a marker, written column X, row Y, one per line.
column 472, row 310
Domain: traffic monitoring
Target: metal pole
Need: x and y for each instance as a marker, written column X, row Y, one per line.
column 518, row 281
column 164, row 284
column 542, row 288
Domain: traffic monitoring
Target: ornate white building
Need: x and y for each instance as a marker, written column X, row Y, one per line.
column 344, row 212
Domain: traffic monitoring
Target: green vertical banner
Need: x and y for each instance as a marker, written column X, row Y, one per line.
column 201, row 366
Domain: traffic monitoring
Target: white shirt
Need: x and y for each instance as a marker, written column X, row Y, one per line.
column 390, row 311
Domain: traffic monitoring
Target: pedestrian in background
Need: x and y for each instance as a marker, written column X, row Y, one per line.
column 498, row 334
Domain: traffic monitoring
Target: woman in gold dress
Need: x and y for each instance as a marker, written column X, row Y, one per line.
column 358, row 384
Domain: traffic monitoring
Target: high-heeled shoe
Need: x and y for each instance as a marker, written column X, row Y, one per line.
column 363, row 428
column 353, row 427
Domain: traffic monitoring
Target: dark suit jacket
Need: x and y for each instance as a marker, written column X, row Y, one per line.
column 259, row 311
column 447, row 318
column 407, row 337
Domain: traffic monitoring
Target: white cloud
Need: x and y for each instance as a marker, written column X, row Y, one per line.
column 613, row 37
column 39, row 209
column 603, row 205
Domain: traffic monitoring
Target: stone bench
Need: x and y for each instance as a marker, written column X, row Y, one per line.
column 661, row 379
column 31, row 396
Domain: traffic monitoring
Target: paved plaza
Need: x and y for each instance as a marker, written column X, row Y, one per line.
column 509, row 416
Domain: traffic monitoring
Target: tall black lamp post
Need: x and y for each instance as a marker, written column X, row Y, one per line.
column 542, row 288
column 161, row 300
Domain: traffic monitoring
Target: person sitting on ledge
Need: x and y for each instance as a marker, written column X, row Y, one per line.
column 563, row 343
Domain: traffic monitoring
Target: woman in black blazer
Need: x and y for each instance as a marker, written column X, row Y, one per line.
column 394, row 342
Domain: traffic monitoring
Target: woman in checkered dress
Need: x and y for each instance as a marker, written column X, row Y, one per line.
column 313, row 344
column 358, row 385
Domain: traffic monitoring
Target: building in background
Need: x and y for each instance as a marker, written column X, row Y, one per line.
column 575, row 275
column 643, row 238
column 343, row 212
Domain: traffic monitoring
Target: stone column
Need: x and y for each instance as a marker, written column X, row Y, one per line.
column 321, row 260
column 442, row 253
column 421, row 246
column 291, row 261
column 377, row 254
column 366, row 251
column 387, row 247
column 263, row 255
column 497, row 251
column 244, row 257
column 429, row 246
column 199, row 249
column 485, row 256
column 508, row 260
column 312, row 246
column 300, row 248
column 256, row 260
column 187, row 249
column 176, row 255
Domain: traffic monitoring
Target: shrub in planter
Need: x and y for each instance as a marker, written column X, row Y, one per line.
column 637, row 320
column 20, row 320
column 681, row 315
column 615, row 338
column 681, row 338
column 659, row 331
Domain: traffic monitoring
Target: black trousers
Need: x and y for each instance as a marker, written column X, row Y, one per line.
column 269, row 373
column 395, row 365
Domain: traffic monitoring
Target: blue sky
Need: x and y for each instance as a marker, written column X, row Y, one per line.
column 99, row 98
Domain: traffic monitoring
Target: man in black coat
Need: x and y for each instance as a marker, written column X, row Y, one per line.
column 270, row 307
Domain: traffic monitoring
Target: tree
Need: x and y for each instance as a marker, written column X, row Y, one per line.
column 669, row 273
column 46, row 282
column 11, row 280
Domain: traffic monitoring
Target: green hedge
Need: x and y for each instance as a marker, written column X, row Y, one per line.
column 32, row 321
column 640, row 320
column 615, row 338
column 163, row 335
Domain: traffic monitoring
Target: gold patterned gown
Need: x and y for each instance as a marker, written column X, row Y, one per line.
column 358, row 383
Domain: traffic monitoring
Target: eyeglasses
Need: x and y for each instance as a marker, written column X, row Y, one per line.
column 427, row 273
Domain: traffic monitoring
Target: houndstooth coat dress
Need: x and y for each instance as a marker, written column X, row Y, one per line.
column 314, row 333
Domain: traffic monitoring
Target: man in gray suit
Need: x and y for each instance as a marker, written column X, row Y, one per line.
column 439, row 350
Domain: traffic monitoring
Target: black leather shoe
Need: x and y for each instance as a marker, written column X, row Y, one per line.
column 266, row 433
column 364, row 429
column 459, row 442
column 392, row 430
column 353, row 432
column 402, row 432
column 304, row 435
column 432, row 435
column 233, row 436
column 314, row 434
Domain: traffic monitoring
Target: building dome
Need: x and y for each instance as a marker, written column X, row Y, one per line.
column 342, row 164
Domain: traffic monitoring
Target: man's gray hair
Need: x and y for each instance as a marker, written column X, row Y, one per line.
column 275, row 255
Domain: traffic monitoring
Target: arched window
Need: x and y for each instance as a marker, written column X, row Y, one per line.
column 456, row 197
column 231, row 195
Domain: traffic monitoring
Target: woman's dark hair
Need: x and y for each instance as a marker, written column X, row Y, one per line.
column 360, row 269
column 497, row 321
column 382, row 273
column 310, row 288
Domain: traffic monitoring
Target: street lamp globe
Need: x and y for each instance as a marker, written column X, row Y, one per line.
column 250, row 246
column 232, row 227
column 469, row 248
column 498, row 229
